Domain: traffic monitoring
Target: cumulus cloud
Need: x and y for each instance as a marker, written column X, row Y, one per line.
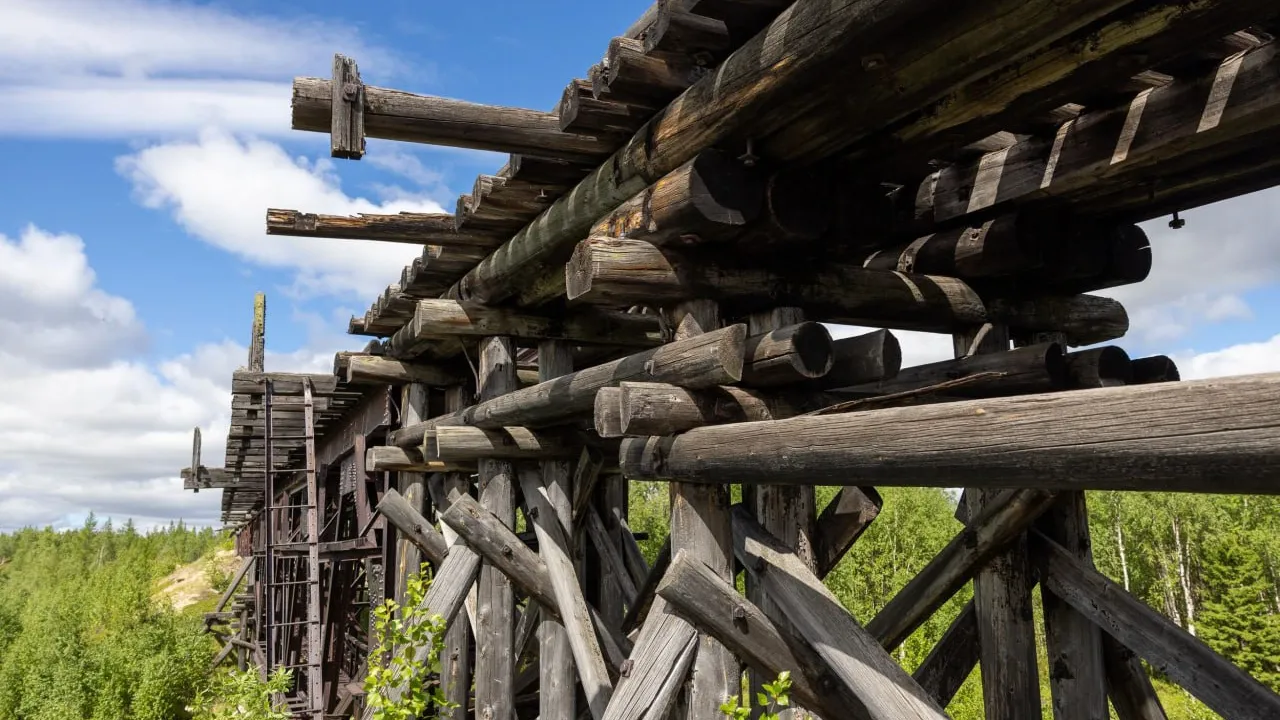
column 1242, row 359
column 86, row 423
column 218, row 188
column 98, row 68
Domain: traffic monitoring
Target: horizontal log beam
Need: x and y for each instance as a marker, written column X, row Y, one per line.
column 253, row 383
column 405, row 227
column 398, row 459
column 787, row 355
column 1035, row 368
column 705, row 360
column 870, row 357
column 397, row 115
column 460, row 444
column 1216, row 436
column 376, row 370
column 665, row 409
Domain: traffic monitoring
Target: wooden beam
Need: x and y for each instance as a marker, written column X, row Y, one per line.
column 415, row 528
column 397, row 115
column 1185, row 659
column 1099, row 367
column 249, row 382
column 384, row 458
column 882, row 688
column 375, row 370
column 461, row 443
column 661, row 661
column 1205, row 435
column 257, row 337
column 664, row 409
column 346, row 128
column 404, row 227
column 711, row 359
column 1036, row 368
column 1157, row 368
column 841, row 523
column 786, row 355
column 952, row 659
column 1128, row 684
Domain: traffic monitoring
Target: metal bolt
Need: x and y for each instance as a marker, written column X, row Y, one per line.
column 1177, row 223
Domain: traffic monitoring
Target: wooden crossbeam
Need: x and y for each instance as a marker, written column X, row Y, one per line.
column 405, row 227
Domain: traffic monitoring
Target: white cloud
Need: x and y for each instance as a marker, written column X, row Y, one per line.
column 1243, row 359
column 111, row 68
column 218, row 188
column 86, row 424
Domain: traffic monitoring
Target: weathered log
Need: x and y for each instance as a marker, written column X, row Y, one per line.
column 798, row 208
column 663, row 409
column 1185, row 659
column 1157, row 368
column 374, row 370
column 346, row 128
column 415, row 528
column 1128, row 684
column 1092, row 258
column 1035, row 368
column 609, row 555
column 394, row 459
column 678, row 32
column 708, row 198
column 397, row 115
column 661, row 661
column 702, row 361
column 644, row 596
column 778, row 77
column 1082, row 319
column 405, row 227
column 952, row 660
column 1099, row 367
column 1002, row 246
column 622, row 271
column 716, row 608
column 582, row 111
column 1204, row 435
column 787, row 355
column 1000, row 523
column 608, row 412
column 449, row 318
column 460, row 443
column 841, row 523
column 870, row 357
column 882, row 689
column 636, row 78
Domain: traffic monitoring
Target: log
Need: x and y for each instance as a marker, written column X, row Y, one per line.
column 1001, row 522
column 1185, row 659
column 405, row 227
column 644, row 596
column 1199, row 436
column 1035, row 368
column 787, row 355
column 779, row 77
column 799, row 208
column 952, row 660
column 715, row 607
column 1093, row 257
column 415, row 528
column 661, row 661
column 703, row 361
column 398, row 115
column 841, row 523
column 882, row 689
column 621, row 271
column 346, row 129
column 870, row 357
column 1006, row 245
column 1128, row 685
column 631, row 76
column 708, row 198
column 607, row 413
column 394, row 459
column 1157, row 368
column 1099, row 367
column 374, row 370
column 681, row 33
column 582, row 111
column 442, row 318
column 609, row 555
column 663, row 409
column 461, row 443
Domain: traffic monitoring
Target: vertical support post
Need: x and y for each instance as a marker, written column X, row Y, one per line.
column 701, row 526
column 495, row 611
column 557, row 675
column 346, row 128
column 455, row 667
column 1002, row 595
column 413, row 486
column 258, row 338
column 788, row 512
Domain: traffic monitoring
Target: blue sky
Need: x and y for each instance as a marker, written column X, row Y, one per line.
column 142, row 141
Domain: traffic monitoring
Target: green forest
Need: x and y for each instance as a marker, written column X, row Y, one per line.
column 84, row 634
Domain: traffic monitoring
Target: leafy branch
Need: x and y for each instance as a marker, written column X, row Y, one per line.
column 398, row 685
column 776, row 695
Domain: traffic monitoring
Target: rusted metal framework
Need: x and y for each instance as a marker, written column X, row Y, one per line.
column 640, row 293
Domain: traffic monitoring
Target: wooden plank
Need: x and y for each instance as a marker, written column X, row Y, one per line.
column 250, row 382
column 398, row 115
column 664, row 409
column 257, row 337
column 1186, row 660
column 712, row 359
column 659, row 664
column 1128, row 686
column 610, row 555
column 883, row 689
column 1204, row 435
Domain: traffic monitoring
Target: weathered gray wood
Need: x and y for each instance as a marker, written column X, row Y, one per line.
column 631, row 76
column 787, row 354
column 1036, row 368
column 495, row 600
column 716, row 608
column 250, row 382
column 663, row 409
column 412, row 485
column 586, row 473
column 374, row 370
column 346, row 128
column 405, row 227
column 442, row 318
column 1099, row 367
column 1128, row 686
column 658, row 664
column 607, row 412
column 1077, row 676
column 841, row 523
column 952, row 660
column 883, row 689
column 236, row 579
column 398, row 115
column 639, row 610
column 778, row 78
column 415, row 528
column 1204, row 435
column 870, row 357
column 393, row 459
column 460, row 443
column 1226, row 689
column 1002, row 521
column 702, row 361
column 555, row 550
column 609, row 554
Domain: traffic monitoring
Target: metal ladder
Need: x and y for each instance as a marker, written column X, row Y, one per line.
column 276, row 630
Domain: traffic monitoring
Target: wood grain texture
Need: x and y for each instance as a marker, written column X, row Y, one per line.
column 882, row 688
column 664, row 409
column 413, row 526
column 1187, row 661
column 405, row 227
column 841, row 523
column 660, row 663
column 1206, row 435
column 374, row 370
column 460, row 443
column 1036, row 368
column 435, row 319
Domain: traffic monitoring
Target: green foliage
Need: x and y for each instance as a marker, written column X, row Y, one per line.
column 244, row 696
column 81, row 635
column 393, row 663
column 775, row 697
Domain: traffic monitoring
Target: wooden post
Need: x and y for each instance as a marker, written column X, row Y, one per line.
column 257, row 339
column 412, row 486
column 455, row 663
column 700, row 526
column 346, row 128
column 495, row 611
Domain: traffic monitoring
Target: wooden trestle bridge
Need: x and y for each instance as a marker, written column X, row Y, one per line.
column 637, row 294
